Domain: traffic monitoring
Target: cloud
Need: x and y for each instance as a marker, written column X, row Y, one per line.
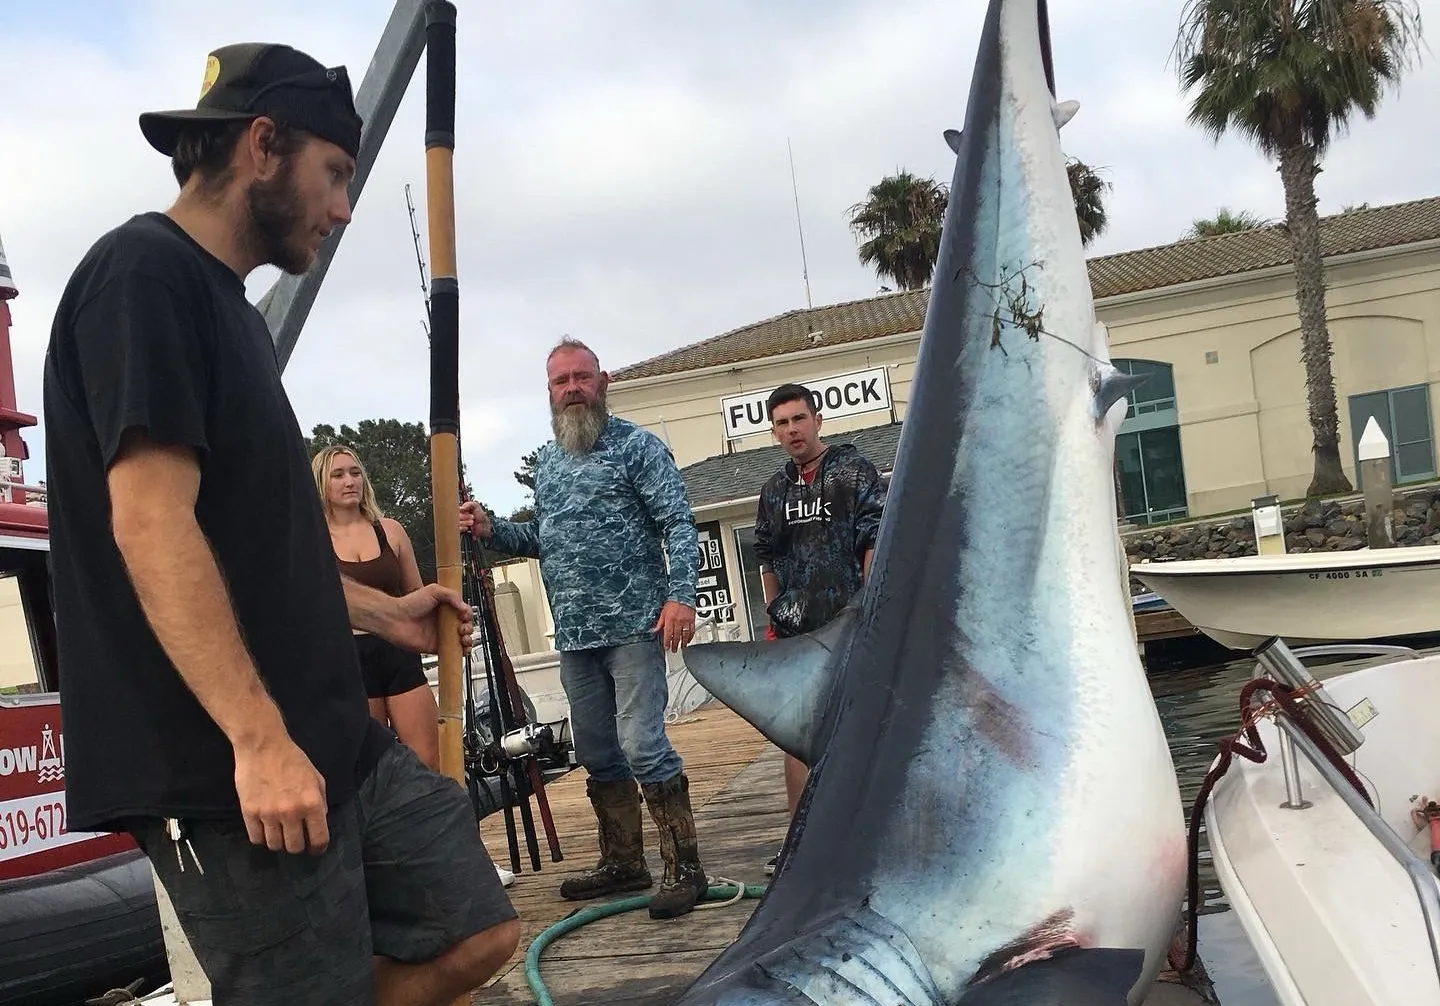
column 622, row 171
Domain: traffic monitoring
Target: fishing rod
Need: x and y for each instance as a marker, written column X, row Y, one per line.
column 491, row 760
column 521, row 744
column 419, row 260
column 506, row 745
column 444, row 363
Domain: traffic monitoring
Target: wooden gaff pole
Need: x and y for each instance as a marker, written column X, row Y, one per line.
column 444, row 362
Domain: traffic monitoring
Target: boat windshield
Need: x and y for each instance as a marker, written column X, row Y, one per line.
column 26, row 626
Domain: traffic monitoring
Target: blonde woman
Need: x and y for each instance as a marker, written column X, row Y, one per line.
column 375, row 550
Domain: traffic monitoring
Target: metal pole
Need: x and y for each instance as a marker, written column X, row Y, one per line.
column 287, row 304
column 1290, row 767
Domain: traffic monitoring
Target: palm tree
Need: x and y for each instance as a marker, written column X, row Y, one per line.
column 1088, row 189
column 1288, row 75
column 900, row 221
column 1225, row 222
column 902, row 217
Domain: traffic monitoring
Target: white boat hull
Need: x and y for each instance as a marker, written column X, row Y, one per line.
column 1309, row 597
column 1333, row 917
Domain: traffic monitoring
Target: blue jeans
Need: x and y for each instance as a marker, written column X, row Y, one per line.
column 617, row 711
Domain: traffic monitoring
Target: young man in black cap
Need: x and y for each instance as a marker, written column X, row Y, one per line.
column 210, row 686
column 815, row 529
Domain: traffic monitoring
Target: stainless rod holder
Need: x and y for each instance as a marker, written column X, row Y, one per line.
column 1319, row 709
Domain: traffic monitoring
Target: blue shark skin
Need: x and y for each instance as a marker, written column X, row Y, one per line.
column 992, row 815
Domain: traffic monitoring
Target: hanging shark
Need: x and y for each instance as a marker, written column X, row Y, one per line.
column 992, row 815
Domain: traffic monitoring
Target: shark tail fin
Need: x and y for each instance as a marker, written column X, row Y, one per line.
column 781, row 686
column 1070, row 977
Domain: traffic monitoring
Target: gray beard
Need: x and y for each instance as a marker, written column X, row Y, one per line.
column 577, row 429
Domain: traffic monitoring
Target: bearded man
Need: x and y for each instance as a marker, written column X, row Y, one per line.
column 610, row 508
column 212, row 694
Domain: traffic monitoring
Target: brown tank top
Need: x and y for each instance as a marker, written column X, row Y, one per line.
column 381, row 572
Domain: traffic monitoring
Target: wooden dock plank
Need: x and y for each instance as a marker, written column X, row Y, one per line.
column 717, row 746
column 1165, row 624
column 628, row 959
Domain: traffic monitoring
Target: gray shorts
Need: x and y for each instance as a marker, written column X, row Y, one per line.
column 405, row 877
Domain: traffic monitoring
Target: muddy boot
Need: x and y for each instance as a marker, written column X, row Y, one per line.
column 685, row 882
column 622, row 844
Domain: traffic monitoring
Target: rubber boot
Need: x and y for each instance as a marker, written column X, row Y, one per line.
column 622, row 844
column 684, row 883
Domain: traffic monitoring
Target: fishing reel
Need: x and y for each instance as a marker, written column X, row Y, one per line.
column 531, row 739
column 548, row 743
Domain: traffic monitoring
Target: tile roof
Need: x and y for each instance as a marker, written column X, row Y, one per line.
column 740, row 475
column 1110, row 275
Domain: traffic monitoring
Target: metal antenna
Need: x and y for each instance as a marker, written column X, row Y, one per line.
column 804, row 266
column 419, row 257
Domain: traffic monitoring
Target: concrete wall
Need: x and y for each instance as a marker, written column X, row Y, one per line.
column 1243, row 422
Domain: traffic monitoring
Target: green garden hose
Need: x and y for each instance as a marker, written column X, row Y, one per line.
column 724, row 893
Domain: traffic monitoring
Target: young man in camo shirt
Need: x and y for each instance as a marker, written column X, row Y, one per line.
column 815, row 529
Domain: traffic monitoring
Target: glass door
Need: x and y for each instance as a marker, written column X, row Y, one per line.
column 1403, row 415
column 750, row 574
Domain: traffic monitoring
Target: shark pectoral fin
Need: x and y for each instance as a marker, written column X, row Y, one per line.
column 1063, row 112
column 1070, row 977
column 1113, row 385
column 780, row 686
column 952, row 138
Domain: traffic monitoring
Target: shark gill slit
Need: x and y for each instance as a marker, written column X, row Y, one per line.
column 1050, row 934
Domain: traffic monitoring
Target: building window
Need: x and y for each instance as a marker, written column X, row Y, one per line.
column 1148, row 465
column 750, row 573
column 1403, row 415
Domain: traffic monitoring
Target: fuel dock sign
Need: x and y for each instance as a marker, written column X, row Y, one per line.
column 833, row 397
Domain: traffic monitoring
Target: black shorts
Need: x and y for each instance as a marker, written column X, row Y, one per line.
column 388, row 669
column 405, row 876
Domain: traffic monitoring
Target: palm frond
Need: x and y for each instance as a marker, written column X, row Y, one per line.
column 1284, row 72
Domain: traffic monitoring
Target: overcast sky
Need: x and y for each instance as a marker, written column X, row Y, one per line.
column 621, row 171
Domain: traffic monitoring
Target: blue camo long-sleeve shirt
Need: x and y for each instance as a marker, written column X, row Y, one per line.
column 604, row 524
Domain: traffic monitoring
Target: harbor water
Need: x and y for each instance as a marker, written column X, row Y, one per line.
column 1199, row 707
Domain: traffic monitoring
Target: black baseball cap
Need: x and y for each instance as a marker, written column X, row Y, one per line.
column 252, row 79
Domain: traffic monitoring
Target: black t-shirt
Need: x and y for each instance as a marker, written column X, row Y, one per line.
column 154, row 332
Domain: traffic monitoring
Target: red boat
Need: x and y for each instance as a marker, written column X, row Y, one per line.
column 77, row 910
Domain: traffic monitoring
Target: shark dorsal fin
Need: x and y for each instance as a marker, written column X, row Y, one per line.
column 952, row 138
column 779, row 686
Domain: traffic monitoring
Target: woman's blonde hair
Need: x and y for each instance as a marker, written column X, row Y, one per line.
column 321, row 465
